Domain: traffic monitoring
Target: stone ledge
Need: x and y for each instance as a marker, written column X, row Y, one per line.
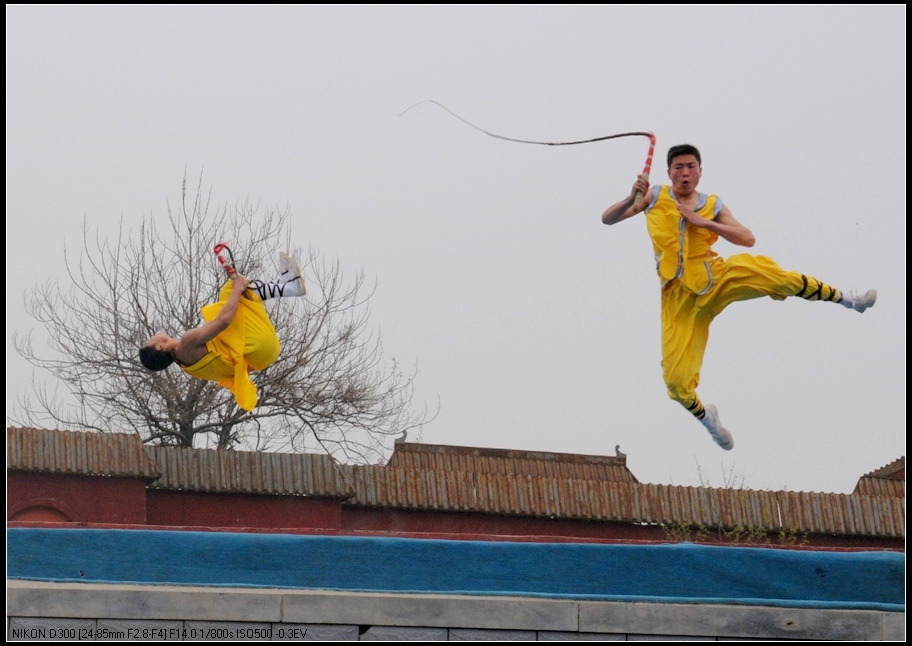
column 732, row 621
column 344, row 611
column 444, row 611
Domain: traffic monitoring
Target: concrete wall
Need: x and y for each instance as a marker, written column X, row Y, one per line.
column 49, row 611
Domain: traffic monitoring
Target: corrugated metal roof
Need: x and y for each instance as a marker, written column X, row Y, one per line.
column 889, row 480
column 94, row 454
column 296, row 474
column 527, row 495
column 469, row 459
column 896, row 470
column 493, row 481
column 881, row 487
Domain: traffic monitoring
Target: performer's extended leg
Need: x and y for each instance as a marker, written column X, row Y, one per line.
column 685, row 330
column 290, row 282
column 744, row 277
column 686, row 318
column 814, row 290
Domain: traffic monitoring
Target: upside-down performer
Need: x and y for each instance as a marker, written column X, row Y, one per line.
column 697, row 284
column 236, row 338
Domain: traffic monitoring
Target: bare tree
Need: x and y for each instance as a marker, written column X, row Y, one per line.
column 330, row 388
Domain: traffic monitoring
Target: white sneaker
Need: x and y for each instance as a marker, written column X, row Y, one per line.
column 718, row 432
column 859, row 302
column 290, row 277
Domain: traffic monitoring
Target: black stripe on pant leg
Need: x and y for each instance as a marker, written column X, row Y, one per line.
column 810, row 297
column 804, row 286
column 260, row 288
column 694, row 407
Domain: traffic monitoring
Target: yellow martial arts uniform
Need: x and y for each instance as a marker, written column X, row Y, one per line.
column 697, row 285
column 248, row 343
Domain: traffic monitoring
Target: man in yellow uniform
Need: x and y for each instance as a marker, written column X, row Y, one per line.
column 236, row 338
column 696, row 283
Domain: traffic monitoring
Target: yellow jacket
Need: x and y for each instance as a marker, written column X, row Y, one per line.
column 682, row 252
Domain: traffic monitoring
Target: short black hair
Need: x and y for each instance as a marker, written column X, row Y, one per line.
column 155, row 359
column 683, row 149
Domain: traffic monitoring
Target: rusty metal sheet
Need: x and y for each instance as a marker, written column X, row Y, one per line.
column 483, row 483
column 81, row 453
column 881, row 487
column 510, row 462
column 527, row 495
column 248, row 472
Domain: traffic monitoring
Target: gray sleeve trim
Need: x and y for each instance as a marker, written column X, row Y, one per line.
column 718, row 207
column 655, row 198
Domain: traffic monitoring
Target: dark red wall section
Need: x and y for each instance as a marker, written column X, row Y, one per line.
column 62, row 499
column 359, row 519
column 81, row 499
column 194, row 509
column 390, row 520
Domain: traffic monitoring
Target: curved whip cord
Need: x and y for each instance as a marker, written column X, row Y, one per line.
column 646, row 169
column 540, row 143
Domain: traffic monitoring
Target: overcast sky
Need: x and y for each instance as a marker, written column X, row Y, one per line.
column 536, row 326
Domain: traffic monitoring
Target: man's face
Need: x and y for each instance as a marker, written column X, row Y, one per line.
column 684, row 173
column 158, row 340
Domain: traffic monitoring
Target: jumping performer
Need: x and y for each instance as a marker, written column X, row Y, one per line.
column 237, row 335
column 697, row 284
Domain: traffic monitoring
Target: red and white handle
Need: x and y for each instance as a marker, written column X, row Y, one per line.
column 219, row 251
column 648, row 167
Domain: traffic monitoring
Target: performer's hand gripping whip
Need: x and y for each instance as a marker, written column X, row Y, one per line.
column 646, row 170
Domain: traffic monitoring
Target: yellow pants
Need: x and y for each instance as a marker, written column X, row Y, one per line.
column 248, row 343
column 686, row 317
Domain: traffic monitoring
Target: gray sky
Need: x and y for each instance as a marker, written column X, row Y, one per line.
column 535, row 325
